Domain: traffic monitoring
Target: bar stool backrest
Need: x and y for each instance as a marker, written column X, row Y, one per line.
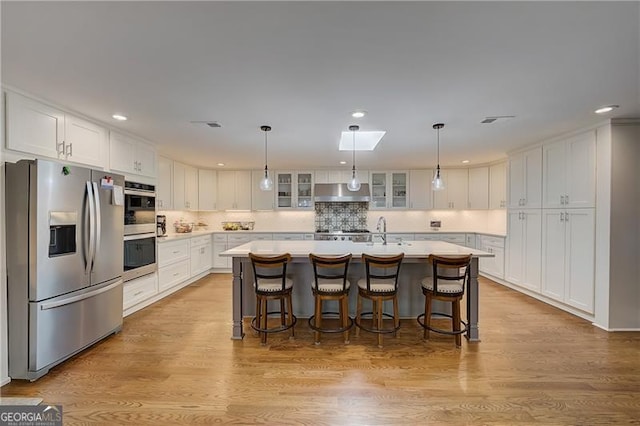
column 330, row 268
column 270, row 268
column 382, row 268
column 448, row 269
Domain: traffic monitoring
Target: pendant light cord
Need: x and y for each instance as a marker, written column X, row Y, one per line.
column 265, row 151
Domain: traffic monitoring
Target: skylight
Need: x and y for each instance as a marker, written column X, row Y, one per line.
column 365, row 141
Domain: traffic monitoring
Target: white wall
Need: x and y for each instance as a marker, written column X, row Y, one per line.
column 4, row 366
column 603, row 220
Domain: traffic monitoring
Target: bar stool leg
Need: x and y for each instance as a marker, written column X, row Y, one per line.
column 344, row 312
column 282, row 318
column 258, row 313
column 264, row 302
column 396, row 317
column 290, row 309
column 318, row 318
column 359, row 314
column 456, row 321
column 427, row 315
column 380, row 321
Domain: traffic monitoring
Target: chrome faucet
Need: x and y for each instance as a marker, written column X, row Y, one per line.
column 382, row 223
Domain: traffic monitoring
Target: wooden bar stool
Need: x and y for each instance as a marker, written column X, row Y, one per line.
column 330, row 283
column 380, row 284
column 271, row 283
column 450, row 275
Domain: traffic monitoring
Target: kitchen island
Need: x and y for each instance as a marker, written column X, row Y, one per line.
column 410, row 298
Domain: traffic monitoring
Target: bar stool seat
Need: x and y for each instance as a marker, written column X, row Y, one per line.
column 380, row 284
column 450, row 275
column 330, row 283
column 271, row 283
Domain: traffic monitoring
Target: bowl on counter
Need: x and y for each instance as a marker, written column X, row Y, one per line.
column 183, row 228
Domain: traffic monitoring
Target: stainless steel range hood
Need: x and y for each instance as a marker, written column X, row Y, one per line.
column 339, row 193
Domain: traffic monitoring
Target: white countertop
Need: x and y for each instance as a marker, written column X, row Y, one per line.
column 174, row 236
column 411, row 249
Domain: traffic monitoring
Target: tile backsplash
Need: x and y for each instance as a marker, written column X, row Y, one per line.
column 341, row 216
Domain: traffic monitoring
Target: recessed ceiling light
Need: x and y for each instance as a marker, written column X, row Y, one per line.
column 119, row 117
column 365, row 141
column 606, row 109
column 221, row 164
column 358, row 114
column 465, row 161
column 343, row 162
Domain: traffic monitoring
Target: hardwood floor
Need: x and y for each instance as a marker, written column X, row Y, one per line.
column 174, row 363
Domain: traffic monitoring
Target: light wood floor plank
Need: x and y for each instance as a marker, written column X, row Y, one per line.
column 174, row 363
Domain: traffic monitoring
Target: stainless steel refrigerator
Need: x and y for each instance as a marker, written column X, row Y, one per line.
column 64, row 227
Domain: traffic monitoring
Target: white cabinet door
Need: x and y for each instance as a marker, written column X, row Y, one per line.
column 525, row 179
column 304, row 190
column 122, row 153
column 455, row 192
column 220, row 245
column 261, row 200
column 179, row 182
column 207, row 187
column 200, row 259
column 33, row 127
column 498, row 186
column 243, row 190
column 191, row 187
column 478, row 188
column 553, row 253
column 336, row 176
column 234, row 190
column 85, row 142
column 146, row 158
column 580, row 258
column 523, row 251
column 569, row 178
column 294, row 190
column 164, row 190
column 420, row 193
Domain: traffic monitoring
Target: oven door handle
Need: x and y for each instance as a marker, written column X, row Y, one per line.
column 151, row 194
column 140, row 236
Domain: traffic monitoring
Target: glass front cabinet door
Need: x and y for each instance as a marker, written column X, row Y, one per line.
column 389, row 190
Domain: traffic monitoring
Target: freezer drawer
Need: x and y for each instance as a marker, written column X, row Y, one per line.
column 62, row 326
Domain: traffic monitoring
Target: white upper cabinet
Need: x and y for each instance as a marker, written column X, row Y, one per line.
column 389, row 190
column 185, row 187
column 569, row 178
column 234, row 190
column 339, row 176
column 132, row 156
column 42, row 130
column 525, row 179
column 420, row 193
column 478, row 188
column 498, row 186
column 294, row 190
column 261, row 200
column 207, row 188
column 455, row 192
column 164, row 189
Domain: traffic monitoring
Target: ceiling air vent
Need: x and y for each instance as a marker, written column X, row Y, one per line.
column 496, row 117
column 214, row 124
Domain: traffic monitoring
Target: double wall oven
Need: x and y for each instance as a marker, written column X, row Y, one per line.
column 139, row 230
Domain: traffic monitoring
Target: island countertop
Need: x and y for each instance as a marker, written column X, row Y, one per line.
column 411, row 249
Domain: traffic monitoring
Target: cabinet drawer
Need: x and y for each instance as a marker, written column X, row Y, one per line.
column 288, row 237
column 262, row 237
column 138, row 290
column 219, row 238
column 486, row 240
column 397, row 238
column 454, row 238
column 173, row 274
column 173, row 251
column 201, row 241
column 237, row 240
column 427, row 237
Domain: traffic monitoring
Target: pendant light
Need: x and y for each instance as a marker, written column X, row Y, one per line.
column 266, row 184
column 354, row 183
column 437, row 184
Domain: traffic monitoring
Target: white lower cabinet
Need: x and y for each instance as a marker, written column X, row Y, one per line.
column 524, row 248
column 200, row 255
column 173, row 263
column 493, row 266
column 459, row 239
column 568, row 256
column 139, row 290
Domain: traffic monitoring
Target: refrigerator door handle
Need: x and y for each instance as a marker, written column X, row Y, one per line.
column 74, row 299
column 98, row 227
column 92, row 225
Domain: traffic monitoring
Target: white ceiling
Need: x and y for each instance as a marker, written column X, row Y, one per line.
column 303, row 67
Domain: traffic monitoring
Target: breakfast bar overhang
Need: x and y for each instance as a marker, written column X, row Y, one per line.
column 414, row 268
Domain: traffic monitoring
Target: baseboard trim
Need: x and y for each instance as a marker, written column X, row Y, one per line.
column 615, row 329
column 4, row 381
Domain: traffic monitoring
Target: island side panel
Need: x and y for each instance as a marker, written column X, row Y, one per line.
column 473, row 333
column 237, row 332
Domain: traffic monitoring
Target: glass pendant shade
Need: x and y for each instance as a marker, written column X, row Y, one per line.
column 437, row 184
column 266, row 184
column 354, row 183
